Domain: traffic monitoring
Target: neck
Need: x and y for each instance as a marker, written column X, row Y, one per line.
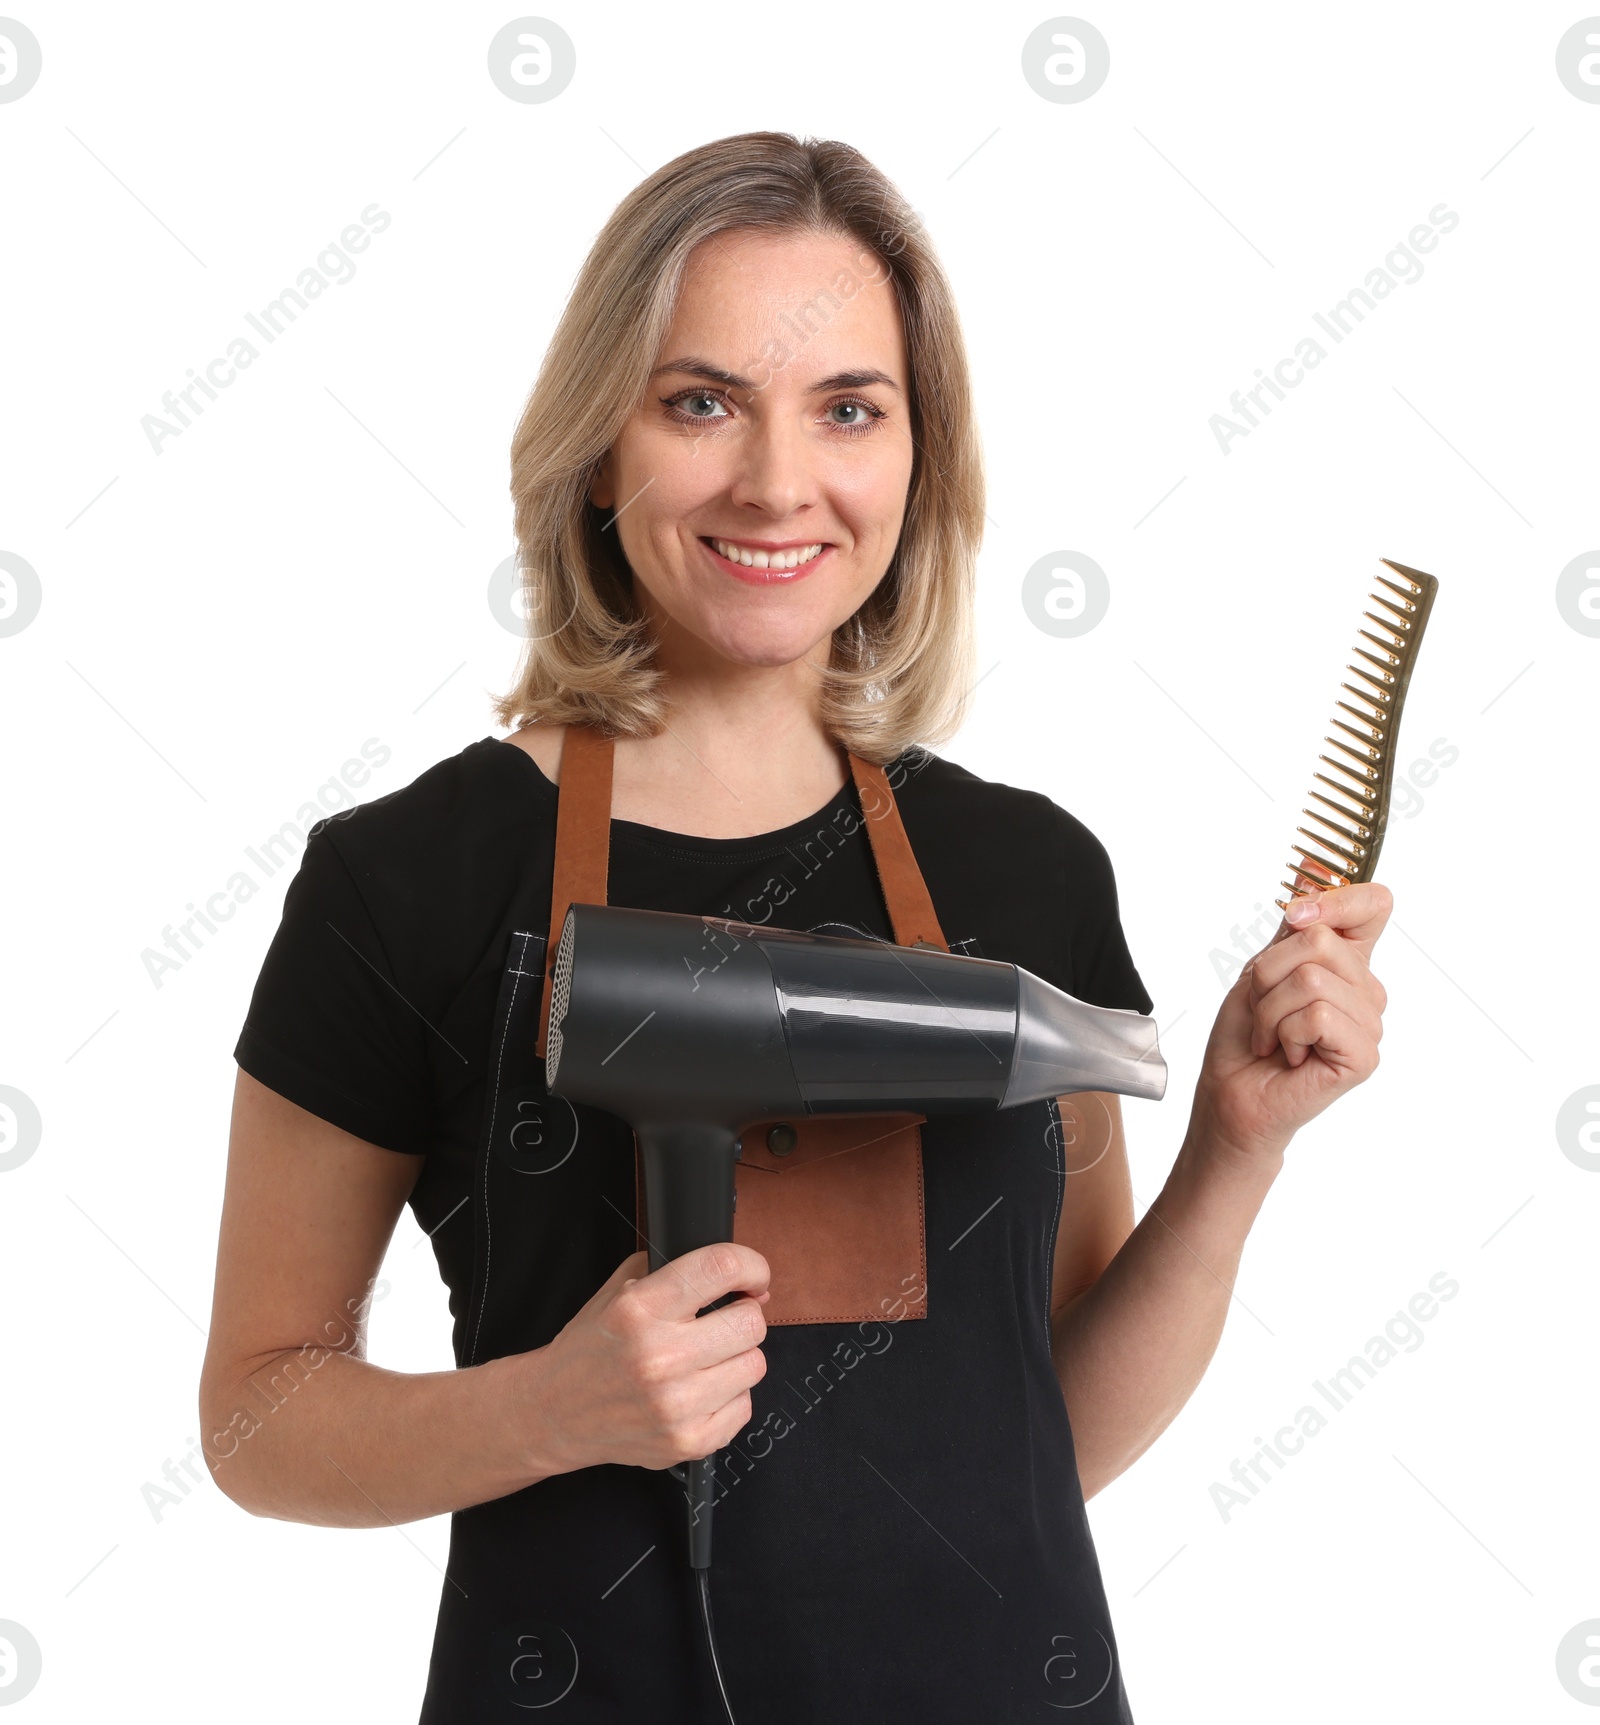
column 744, row 750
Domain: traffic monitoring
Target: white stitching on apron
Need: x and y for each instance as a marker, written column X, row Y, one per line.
column 488, row 1154
column 1061, row 1192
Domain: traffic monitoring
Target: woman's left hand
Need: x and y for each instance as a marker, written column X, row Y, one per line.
column 1300, row 1025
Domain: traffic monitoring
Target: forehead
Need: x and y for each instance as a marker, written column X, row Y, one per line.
column 825, row 299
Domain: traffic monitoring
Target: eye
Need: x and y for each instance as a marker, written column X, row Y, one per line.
column 866, row 414
column 689, row 405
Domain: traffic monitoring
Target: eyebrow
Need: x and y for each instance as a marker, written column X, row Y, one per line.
column 695, row 367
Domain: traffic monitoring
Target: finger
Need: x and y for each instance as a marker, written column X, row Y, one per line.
column 1307, row 985
column 722, row 1427
column 725, row 1334
column 1303, row 990
column 1318, row 944
column 1358, row 912
column 689, row 1283
column 1332, row 1034
column 715, row 1405
column 1311, row 878
column 727, row 1380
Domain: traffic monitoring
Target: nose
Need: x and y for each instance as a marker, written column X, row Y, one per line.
column 774, row 471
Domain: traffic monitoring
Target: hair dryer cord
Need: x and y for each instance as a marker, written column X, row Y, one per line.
column 703, row 1576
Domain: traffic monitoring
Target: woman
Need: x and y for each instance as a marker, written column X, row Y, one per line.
column 748, row 499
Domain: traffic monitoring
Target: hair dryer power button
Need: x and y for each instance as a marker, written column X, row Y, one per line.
column 782, row 1138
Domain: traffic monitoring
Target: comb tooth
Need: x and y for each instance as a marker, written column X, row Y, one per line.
column 1366, row 771
column 1362, row 830
column 1373, row 754
column 1386, row 679
column 1321, row 882
column 1334, row 826
column 1390, row 656
column 1328, row 844
column 1350, row 796
column 1402, row 628
column 1379, row 732
column 1414, row 579
column 1407, row 623
column 1408, row 598
column 1353, row 802
column 1380, row 708
column 1377, row 682
column 1363, row 778
column 1337, row 876
column 1327, row 857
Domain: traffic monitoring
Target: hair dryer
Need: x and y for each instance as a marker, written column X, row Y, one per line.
column 694, row 1027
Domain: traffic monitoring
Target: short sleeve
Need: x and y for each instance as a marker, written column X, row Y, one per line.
column 327, row 1026
column 1102, row 968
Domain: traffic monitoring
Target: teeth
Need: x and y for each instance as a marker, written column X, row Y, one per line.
column 791, row 559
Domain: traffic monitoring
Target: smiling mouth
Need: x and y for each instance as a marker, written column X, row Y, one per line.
column 780, row 561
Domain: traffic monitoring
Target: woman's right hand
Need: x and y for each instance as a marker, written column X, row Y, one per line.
column 635, row 1377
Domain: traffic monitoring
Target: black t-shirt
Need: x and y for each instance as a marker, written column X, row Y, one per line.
column 901, row 1534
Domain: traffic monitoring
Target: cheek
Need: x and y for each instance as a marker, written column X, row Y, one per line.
column 665, row 491
column 871, row 495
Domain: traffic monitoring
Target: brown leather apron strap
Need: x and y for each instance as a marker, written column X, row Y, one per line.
column 583, row 841
column 905, row 893
column 583, row 848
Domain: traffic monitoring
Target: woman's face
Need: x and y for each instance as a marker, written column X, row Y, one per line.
column 777, row 420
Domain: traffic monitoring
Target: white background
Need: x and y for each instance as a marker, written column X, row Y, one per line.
column 224, row 623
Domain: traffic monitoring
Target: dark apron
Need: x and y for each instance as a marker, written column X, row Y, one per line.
column 574, row 1594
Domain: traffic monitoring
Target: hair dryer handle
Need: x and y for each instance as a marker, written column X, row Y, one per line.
column 688, row 1194
column 688, row 1187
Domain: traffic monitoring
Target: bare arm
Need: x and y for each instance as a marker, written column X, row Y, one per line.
column 1137, row 1312
column 299, row 1425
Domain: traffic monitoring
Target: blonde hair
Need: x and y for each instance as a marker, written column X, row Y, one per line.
column 900, row 668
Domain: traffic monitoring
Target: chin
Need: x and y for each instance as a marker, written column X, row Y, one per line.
column 767, row 647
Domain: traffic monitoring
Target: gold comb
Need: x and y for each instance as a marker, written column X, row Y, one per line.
column 1354, row 795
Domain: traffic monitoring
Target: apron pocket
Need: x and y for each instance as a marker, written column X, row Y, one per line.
column 834, row 1203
